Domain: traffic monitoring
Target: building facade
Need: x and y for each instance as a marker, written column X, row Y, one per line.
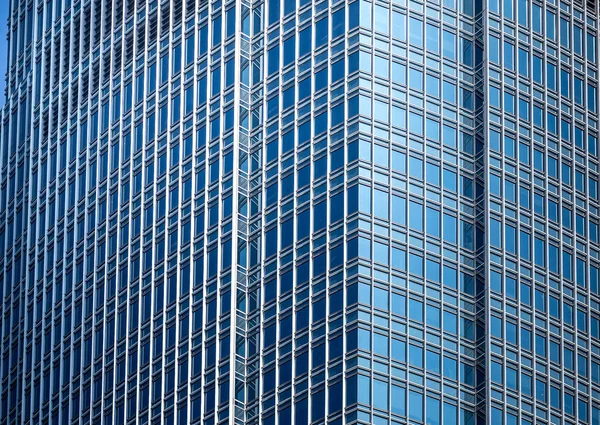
column 300, row 211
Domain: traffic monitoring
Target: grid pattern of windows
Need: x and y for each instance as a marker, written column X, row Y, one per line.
column 300, row 211
column 544, row 311
column 118, row 194
column 416, row 225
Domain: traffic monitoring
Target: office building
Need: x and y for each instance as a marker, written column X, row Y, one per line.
column 300, row 211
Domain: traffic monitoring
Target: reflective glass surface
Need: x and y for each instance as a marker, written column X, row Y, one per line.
column 300, row 211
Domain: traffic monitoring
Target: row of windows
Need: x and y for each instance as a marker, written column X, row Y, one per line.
column 571, row 86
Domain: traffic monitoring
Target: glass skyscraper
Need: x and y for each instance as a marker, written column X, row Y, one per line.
column 300, row 212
